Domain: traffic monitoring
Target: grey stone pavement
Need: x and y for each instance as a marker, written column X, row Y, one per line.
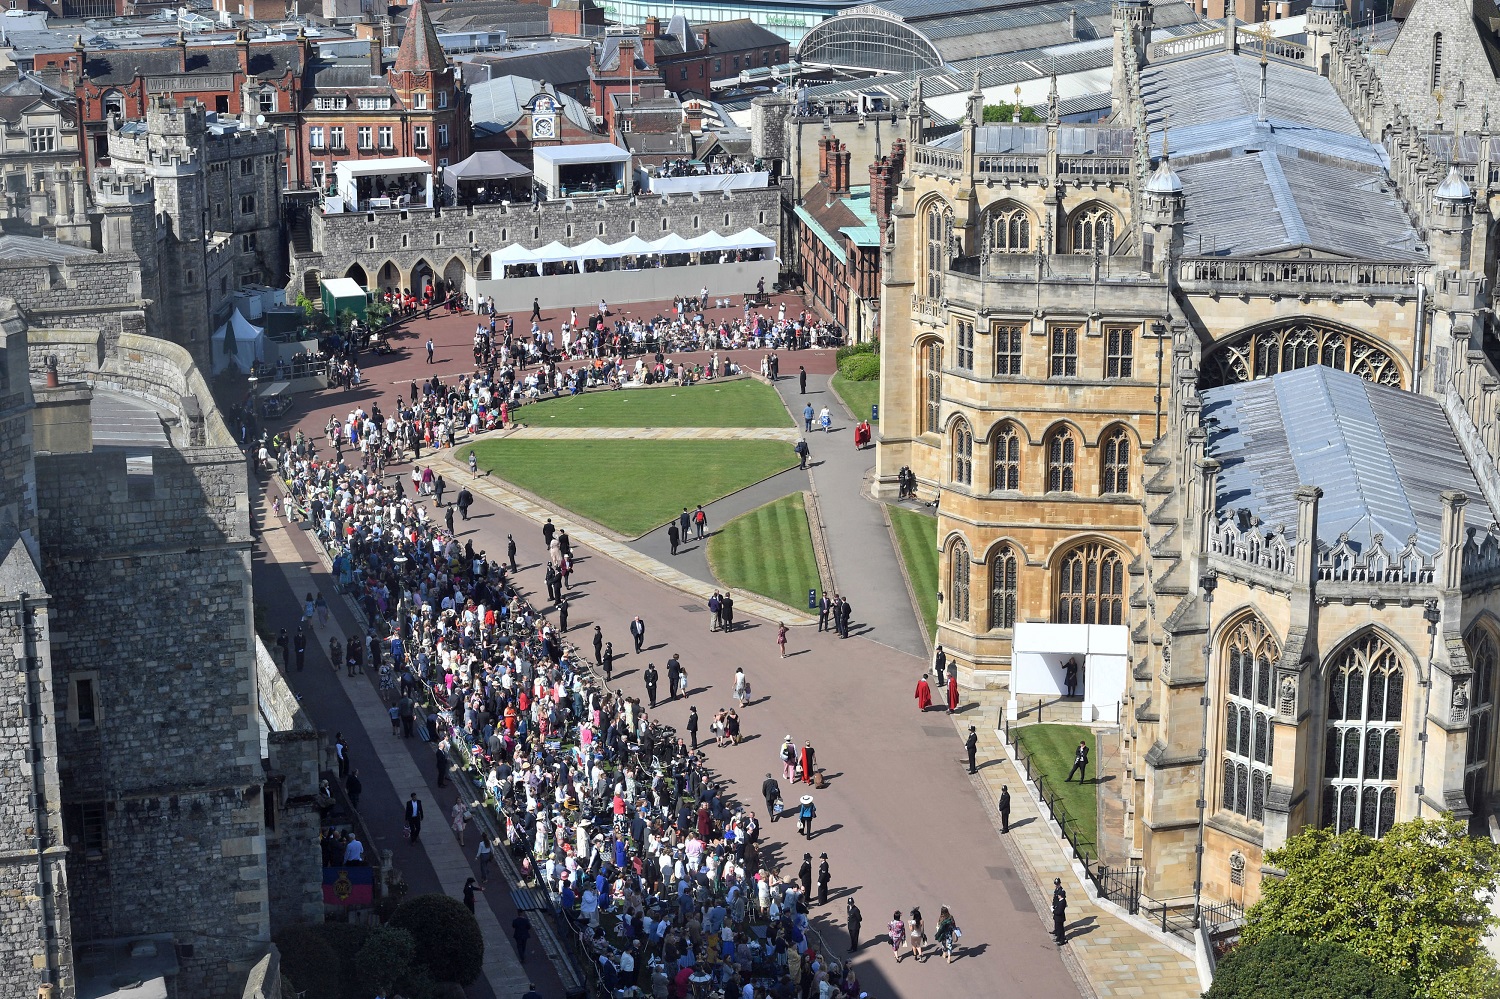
column 865, row 567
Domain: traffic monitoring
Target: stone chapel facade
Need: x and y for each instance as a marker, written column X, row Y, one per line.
column 1139, row 363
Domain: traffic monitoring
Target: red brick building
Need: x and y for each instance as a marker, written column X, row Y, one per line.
column 252, row 76
column 358, row 108
column 839, row 228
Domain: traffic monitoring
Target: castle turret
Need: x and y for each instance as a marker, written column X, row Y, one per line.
column 1162, row 211
column 1131, row 20
column 1450, row 231
column 1323, row 19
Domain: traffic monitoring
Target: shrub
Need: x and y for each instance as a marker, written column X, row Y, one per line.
column 861, row 368
column 447, row 936
column 854, row 349
column 1289, row 968
column 308, row 962
column 346, row 939
column 385, row 963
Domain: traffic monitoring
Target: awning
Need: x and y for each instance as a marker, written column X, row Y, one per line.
column 595, row 248
column 487, row 165
column 671, row 243
column 587, row 152
column 553, row 252
column 389, row 165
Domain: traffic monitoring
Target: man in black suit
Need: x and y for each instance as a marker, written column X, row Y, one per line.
column 650, row 678
column 413, row 815
column 1080, row 763
column 638, row 632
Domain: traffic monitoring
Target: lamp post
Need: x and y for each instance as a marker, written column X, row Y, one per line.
column 1207, row 583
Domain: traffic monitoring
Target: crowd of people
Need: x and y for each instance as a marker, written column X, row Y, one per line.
column 659, row 875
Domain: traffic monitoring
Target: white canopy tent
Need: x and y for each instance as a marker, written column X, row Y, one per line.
column 1040, row 654
column 363, row 185
column 238, row 344
column 633, row 246
column 586, row 168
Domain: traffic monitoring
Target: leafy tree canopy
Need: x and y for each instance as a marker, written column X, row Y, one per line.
column 446, row 934
column 1002, row 112
column 1414, row 903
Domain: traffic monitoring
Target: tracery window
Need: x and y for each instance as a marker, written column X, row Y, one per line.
column 958, row 592
column 932, row 382
column 1064, row 353
column 1091, row 586
column 1119, row 351
column 1251, row 654
column 1363, row 751
column 964, row 354
column 1116, row 465
column 1003, row 566
column 1006, row 445
column 939, row 238
column 1482, row 656
column 1062, row 450
column 963, row 454
column 1300, row 344
column 1093, row 229
column 1008, row 228
column 1007, row 350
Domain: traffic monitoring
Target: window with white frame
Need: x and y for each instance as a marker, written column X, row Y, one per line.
column 419, row 136
column 366, row 137
column 387, row 137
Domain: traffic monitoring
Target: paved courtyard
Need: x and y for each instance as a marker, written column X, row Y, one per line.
column 901, row 821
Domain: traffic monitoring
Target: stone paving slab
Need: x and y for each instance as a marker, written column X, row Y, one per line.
column 496, row 491
column 1117, row 957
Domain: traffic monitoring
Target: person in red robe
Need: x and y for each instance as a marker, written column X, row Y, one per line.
column 807, row 763
column 924, row 694
column 952, row 693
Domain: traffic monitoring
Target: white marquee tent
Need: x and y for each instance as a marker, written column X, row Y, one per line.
column 631, row 246
column 1039, row 658
column 238, row 343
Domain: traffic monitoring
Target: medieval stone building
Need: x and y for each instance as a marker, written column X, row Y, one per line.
column 1218, row 371
column 159, row 784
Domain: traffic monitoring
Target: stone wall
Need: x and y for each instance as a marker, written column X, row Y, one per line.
column 1463, row 72
column 292, row 760
column 94, row 292
column 391, row 246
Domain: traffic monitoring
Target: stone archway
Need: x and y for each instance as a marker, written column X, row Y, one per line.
column 357, row 274
column 421, row 275
column 454, row 273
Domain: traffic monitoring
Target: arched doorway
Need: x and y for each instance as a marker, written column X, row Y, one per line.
column 1290, row 344
column 389, row 278
column 421, row 277
column 454, row 273
column 357, row 274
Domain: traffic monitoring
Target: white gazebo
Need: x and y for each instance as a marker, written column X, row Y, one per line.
column 377, row 185
column 584, row 169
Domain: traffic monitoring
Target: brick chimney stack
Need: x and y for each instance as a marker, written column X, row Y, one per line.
column 826, row 145
column 840, row 158
column 650, row 32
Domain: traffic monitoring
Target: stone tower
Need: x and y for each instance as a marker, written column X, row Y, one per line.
column 1323, row 20
column 1131, row 20
column 35, row 937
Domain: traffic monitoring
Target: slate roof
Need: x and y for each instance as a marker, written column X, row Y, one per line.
column 40, row 249
column 1382, row 456
column 1305, row 178
column 499, row 103
column 119, row 66
column 560, row 67
column 420, row 50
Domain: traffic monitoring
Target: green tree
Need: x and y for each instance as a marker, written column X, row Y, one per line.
column 447, row 936
column 1415, row 902
column 308, row 962
column 1002, row 112
column 386, row 962
column 1291, row 968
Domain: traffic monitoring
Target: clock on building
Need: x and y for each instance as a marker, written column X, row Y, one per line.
column 544, row 117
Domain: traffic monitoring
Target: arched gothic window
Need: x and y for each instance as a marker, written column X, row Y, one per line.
column 939, row 237
column 932, row 383
column 963, row 453
column 958, row 591
column 1008, row 228
column 1362, row 757
column 1091, row 586
column 1061, row 451
column 1482, row 656
column 1297, row 344
column 1093, row 229
column 1003, row 566
column 1007, row 448
column 1251, row 654
column 1116, row 461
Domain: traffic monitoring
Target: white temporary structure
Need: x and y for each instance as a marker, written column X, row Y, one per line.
column 632, row 246
column 239, row 343
column 1040, row 654
column 561, row 170
column 358, row 181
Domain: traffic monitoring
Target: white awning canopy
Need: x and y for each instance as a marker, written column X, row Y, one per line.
column 389, row 165
column 631, row 246
column 586, row 152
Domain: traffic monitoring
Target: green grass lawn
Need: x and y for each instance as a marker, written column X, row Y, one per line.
column 1051, row 749
column 632, row 486
column 741, row 403
column 768, row 551
column 917, row 535
column 858, row 396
